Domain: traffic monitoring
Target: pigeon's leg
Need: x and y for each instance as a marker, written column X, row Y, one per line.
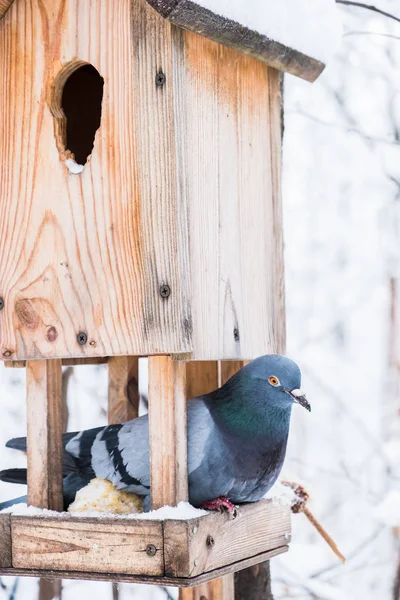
column 222, row 504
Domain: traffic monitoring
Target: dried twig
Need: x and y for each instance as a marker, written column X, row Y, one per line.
column 369, row 7
column 299, row 505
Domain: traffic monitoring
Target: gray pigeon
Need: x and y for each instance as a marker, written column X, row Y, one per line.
column 237, row 437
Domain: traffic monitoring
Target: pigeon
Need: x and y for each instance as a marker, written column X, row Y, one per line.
column 237, row 438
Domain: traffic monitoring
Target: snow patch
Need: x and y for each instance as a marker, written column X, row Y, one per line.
column 281, row 495
column 184, row 511
column 73, row 166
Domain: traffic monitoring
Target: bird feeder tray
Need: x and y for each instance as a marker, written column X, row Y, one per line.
column 176, row 552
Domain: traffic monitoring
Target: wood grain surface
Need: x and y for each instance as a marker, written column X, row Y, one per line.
column 229, row 143
column 44, row 433
column 89, row 252
column 5, row 541
column 167, row 431
column 123, row 388
column 103, row 546
column 197, row 546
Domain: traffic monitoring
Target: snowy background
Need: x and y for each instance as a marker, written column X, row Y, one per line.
column 342, row 223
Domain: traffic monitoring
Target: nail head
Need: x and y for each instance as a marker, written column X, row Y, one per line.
column 1, row 303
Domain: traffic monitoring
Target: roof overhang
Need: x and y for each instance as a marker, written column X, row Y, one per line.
column 295, row 36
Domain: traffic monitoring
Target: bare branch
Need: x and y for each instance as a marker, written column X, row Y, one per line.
column 368, row 7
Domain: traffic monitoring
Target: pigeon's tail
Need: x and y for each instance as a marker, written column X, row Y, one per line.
column 14, row 476
column 9, row 503
column 71, row 484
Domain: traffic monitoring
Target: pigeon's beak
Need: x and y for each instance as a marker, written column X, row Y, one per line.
column 299, row 397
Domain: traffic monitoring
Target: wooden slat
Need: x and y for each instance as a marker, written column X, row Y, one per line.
column 5, row 541
column 188, row 551
column 66, row 362
column 89, row 252
column 227, row 161
column 170, row 581
column 98, row 545
column 123, row 390
column 217, row 589
column 44, row 433
column 201, row 377
column 167, row 431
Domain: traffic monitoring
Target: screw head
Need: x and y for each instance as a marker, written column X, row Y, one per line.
column 82, row 338
column 210, row 541
column 194, row 530
column 151, row 550
column 160, row 78
column 1, row 303
column 165, row 291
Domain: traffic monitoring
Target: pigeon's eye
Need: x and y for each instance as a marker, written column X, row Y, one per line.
column 274, row 380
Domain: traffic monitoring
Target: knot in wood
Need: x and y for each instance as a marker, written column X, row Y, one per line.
column 210, row 541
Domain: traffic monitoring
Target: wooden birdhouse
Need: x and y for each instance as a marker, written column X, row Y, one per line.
column 140, row 215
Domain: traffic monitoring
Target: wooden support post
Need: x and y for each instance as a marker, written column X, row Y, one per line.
column 123, row 400
column 44, row 433
column 167, row 431
column 44, row 442
column 123, row 388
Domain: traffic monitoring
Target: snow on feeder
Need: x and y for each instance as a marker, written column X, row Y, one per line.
column 140, row 215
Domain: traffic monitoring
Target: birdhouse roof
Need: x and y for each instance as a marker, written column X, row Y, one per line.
column 295, row 36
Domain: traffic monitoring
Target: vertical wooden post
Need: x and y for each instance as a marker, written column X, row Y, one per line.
column 44, row 441
column 123, row 400
column 123, row 388
column 44, row 433
column 167, row 431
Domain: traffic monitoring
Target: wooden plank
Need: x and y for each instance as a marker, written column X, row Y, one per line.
column 170, row 581
column 90, row 252
column 123, row 390
column 197, row 546
column 83, row 544
column 66, row 362
column 167, row 431
column 5, row 541
column 217, row 589
column 201, row 377
column 230, row 178
column 44, row 433
column 277, row 50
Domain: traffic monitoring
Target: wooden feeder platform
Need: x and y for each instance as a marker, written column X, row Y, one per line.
column 183, row 553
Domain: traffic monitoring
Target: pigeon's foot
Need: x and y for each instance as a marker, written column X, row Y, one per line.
column 222, row 504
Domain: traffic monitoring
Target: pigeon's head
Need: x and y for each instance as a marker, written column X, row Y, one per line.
column 282, row 378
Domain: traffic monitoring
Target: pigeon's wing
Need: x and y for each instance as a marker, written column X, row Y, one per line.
column 210, row 472
column 119, row 453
